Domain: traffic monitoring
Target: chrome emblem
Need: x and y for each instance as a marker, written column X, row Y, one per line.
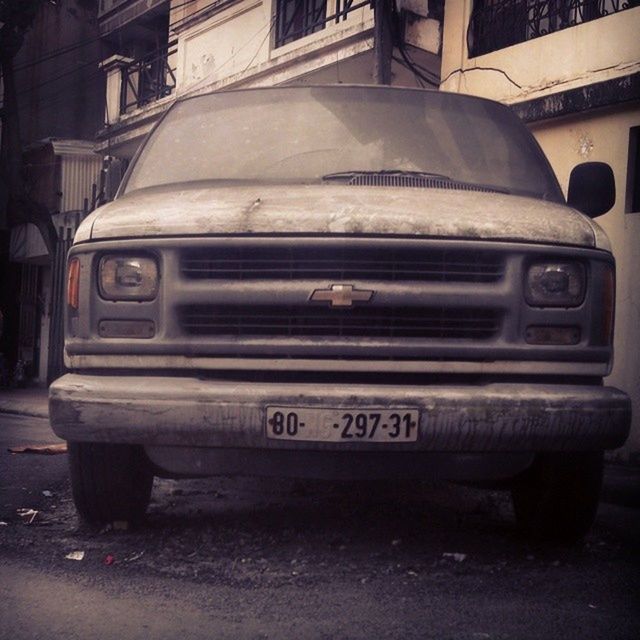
column 341, row 295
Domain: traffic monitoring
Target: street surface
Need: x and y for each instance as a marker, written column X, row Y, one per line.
column 254, row 558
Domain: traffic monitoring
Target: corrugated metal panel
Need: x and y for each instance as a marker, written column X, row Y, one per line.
column 79, row 174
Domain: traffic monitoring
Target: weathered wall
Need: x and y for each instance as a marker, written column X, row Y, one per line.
column 238, row 42
column 579, row 56
column 604, row 137
column 60, row 88
column 586, row 53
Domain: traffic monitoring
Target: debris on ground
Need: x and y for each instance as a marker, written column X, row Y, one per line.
column 47, row 494
column 75, row 555
column 44, row 449
column 396, row 542
column 3, row 524
column 27, row 515
column 458, row 557
column 108, row 559
column 135, row 556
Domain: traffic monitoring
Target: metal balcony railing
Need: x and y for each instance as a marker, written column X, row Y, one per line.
column 148, row 79
column 298, row 18
column 496, row 24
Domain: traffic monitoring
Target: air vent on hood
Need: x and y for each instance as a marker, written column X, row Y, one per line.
column 408, row 180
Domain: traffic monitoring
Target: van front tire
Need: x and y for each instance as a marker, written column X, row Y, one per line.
column 556, row 499
column 110, row 482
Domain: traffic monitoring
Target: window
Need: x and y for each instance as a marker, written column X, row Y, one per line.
column 496, row 24
column 632, row 204
column 298, row 18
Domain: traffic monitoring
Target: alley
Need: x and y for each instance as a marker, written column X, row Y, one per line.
column 252, row 558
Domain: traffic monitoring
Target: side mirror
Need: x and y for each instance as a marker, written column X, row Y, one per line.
column 592, row 188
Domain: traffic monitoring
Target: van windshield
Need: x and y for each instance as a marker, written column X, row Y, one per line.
column 320, row 134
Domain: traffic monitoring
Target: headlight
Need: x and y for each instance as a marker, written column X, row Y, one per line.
column 128, row 277
column 555, row 284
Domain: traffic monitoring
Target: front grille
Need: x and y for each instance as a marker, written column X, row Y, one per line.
column 341, row 263
column 360, row 322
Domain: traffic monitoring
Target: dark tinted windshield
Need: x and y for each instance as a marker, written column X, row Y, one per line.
column 302, row 134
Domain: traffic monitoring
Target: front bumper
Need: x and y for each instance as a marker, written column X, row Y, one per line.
column 190, row 412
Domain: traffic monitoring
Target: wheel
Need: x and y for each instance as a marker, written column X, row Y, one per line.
column 110, row 482
column 556, row 499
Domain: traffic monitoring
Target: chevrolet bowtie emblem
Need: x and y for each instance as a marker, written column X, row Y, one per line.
column 341, row 295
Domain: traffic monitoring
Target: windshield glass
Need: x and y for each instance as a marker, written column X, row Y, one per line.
column 305, row 134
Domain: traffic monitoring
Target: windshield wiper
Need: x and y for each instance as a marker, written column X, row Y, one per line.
column 346, row 175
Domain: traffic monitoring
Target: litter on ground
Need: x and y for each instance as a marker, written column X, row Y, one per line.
column 458, row 557
column 44, row 449
column 27, row 515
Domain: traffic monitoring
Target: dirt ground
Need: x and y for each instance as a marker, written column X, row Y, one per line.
column 288, row 559
column 255, row 558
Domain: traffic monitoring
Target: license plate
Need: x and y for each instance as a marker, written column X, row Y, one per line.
column 342, row 425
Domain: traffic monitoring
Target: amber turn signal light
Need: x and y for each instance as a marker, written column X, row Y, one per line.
column 73, row 283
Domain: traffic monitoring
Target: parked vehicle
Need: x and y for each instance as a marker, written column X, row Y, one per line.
column 344, row 282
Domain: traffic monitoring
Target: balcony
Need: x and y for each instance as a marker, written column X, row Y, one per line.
column 148, row 79
column 299, row 18
column 496, row 24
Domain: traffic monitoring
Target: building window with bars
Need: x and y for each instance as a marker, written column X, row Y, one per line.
column 298, row 18
column 632, row 204
column 496, row 24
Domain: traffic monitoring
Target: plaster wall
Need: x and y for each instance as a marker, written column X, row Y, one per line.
column 604, row 137
column 595, row 51
column 224, row 45
column 60, row 88
column 585, row 54
column 236, row 47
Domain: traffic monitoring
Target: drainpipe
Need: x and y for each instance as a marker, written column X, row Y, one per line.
column 382, row 42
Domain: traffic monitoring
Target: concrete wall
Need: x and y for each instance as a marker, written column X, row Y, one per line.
column 604, row 137
column 588, row 53
column 60, row 88
column 599, row 50
column 238, row 43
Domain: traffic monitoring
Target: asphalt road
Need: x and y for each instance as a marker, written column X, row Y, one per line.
column 251, row 558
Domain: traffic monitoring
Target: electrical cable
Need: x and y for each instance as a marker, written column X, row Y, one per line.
column 55, row 53
column 59, row 77
column 401, row 62
column 428, row 72
column 504, row 73
column 72, row 47
column 194, row 14
column 62, row 93
column 255, row 55
column 200, row 82
column 179, row 6
column 413, row 68
column 392, row 22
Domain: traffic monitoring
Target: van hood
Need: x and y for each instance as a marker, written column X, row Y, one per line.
column 186, row 210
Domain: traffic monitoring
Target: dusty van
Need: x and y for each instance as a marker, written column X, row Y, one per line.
column 343, row 282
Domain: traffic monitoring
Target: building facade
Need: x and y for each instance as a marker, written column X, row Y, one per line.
column 571, row 70
column 60, row 95
column 207, row 45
